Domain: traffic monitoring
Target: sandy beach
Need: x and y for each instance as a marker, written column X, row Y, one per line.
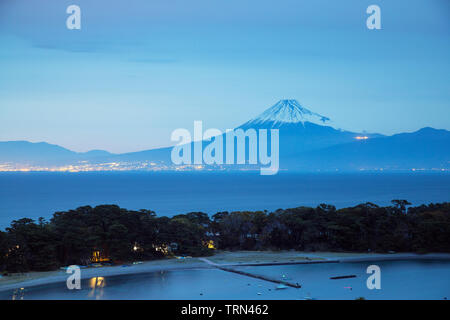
column 222, row 258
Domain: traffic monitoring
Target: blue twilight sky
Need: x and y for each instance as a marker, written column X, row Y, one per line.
column 139, row 69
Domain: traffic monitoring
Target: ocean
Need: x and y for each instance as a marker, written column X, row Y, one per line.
column 40, row 194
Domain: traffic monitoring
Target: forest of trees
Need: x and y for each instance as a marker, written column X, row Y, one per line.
column 121, row 235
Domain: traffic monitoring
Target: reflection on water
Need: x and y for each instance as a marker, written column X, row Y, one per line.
column 399, row 280
column 96, row 284
column 18, row 294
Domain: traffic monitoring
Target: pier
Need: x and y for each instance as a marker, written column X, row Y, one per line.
column 251, row 275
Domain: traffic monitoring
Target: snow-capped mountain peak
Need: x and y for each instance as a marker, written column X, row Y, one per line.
column 288, row 111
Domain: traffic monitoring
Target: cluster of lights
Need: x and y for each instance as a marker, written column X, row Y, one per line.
column 144, row 166
column 85, row 167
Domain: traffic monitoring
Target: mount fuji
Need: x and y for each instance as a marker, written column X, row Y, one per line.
column 301, row 129
column 286, row 112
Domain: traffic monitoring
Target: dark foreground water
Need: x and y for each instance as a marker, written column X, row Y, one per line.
column 407, row 279
column 41, row 194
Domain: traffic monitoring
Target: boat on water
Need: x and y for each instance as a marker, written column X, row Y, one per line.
column 308, row 297
column 343, row 277
column 281, row 287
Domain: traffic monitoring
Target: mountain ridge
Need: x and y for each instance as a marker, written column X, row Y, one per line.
column 304, row 145
column 22, row 150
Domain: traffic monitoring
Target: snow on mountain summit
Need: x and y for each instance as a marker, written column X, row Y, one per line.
column 288, row 111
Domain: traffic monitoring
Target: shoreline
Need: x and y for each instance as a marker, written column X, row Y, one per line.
column 52, row 277
column 226, row 259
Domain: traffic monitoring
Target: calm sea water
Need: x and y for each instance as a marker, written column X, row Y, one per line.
column 41, row 194
column 399, row 280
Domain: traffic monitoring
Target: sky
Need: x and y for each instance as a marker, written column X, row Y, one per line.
column 137, row 70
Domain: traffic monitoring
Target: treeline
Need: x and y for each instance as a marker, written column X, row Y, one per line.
column 110, row 233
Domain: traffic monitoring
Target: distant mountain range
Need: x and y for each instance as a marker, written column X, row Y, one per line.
column 307, row 142
column 426, row 148
column 42, row 152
